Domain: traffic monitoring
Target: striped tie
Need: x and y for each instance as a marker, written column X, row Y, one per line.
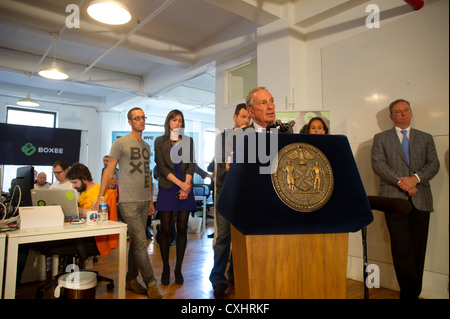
column 405, row 144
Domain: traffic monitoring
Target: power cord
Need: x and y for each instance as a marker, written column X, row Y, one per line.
column 76, row 220
column 9, row 221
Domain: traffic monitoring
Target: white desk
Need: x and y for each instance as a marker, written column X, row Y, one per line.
column 2, row 260
column 68, row 231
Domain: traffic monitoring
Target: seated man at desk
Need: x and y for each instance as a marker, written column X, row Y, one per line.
column 81, row 179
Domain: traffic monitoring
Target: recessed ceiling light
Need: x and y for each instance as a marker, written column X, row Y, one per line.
column 109, row 12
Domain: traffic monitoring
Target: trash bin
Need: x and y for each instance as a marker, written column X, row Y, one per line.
column 195, row 224
column 77, row 285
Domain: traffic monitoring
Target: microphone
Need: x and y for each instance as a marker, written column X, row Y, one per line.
column 282, row 127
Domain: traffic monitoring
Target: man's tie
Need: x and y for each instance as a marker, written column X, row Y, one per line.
column 405, row 144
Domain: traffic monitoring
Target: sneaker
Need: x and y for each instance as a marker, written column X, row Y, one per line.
column 153, row 292
column 136, row 287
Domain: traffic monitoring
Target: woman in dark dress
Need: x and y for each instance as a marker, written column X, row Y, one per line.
column 174, row 156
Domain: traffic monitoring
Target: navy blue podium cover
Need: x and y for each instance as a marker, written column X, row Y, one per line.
column 250, row 203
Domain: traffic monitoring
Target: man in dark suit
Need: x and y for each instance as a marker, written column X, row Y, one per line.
column 405, row 159
column 223, row 240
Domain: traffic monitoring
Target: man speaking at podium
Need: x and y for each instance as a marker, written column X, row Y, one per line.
column 261, row 108
column 406, row 161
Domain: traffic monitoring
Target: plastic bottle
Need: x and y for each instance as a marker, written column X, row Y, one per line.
column 103, row 209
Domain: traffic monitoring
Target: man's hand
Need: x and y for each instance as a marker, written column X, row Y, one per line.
column 412, row 192
column 408, row 184
column 151, row 211
column 228, row 162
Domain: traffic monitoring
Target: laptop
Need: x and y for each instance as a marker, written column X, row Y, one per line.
column 66, row 198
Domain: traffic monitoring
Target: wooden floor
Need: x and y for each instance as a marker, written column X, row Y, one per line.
column 197, row 266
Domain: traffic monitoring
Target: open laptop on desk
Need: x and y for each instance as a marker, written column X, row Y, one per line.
column 66, row 198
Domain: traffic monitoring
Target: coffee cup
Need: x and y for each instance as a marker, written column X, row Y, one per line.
column 93, row 217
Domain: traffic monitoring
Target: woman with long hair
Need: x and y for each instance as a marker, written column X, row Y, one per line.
column 316, row 125
column 174, row 157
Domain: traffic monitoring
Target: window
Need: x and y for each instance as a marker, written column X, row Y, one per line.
column 154, row 127
column 23, row 116
column 241, row 80
column 15, row 115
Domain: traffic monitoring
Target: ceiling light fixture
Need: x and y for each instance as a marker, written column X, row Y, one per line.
column 53, row 72
column 109, row 12
column 28, row 101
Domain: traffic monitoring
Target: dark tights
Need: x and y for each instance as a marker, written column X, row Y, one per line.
column 164, row 241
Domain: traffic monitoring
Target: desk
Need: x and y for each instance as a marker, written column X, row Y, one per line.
column 68, row 231
column 2, row 260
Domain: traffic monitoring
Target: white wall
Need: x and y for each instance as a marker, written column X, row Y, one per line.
column 405, row 58
column 341, row 66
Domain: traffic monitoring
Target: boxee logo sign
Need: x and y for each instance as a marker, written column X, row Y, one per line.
column 29, row 149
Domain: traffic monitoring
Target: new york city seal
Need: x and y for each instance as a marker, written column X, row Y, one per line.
column 302, row 177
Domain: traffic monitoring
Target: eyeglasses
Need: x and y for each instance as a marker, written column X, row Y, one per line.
column 405, row 111
column 139, row 118
column 57, row 173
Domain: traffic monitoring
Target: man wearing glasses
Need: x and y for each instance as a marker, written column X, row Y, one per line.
column 405, row 159
column 60, row 169
column 132, row 154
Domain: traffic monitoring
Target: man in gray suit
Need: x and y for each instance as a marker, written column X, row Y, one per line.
column 405, row 159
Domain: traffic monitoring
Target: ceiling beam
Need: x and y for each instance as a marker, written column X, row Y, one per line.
column 252, row 10
column 309, row 13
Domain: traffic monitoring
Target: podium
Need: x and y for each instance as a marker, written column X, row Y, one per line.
column 279, row 252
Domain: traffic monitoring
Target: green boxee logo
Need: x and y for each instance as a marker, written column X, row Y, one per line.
column 70, row 195
column 28, row 149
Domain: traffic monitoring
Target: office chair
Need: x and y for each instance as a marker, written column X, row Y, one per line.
column 201, row 190
column 388, row 206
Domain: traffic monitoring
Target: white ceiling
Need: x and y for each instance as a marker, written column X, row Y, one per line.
column 165, row 55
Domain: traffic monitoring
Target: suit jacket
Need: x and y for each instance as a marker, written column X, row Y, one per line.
column 165, row 164
column 226, row 141
column 389, row 162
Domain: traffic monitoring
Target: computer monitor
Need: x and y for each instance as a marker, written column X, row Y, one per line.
column 25, row 180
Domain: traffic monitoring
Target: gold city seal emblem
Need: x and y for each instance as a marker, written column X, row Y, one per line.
column 302, row 177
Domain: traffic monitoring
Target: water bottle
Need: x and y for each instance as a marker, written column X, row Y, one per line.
column 103, row 208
